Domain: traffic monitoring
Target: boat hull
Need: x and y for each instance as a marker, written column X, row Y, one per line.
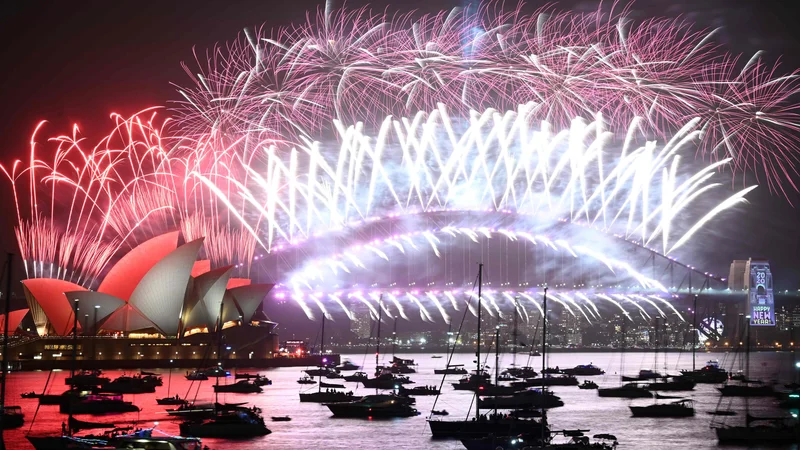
column 65, row 443
column 447, row 429
column 350, row 410
column 650, row 411
column 757, row 435
column 223, row 430
column 325, row 397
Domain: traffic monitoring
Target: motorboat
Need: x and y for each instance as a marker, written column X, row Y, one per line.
column 644, row 374
column 136, row 384
column 358, row 376
column 674, row 385
column 176, row 400
column 196, row 375
column 227, row 424
column 245, row 376
column 585, row 370
column 548, row 380
column 441, row 412
column 630, row 390
column 530, row 398
column 281, row 418
column 144, row 439
column 321, row 371
column 240, row 387
column 588, row 385
column 329, row 396
column 30, row 395
column 418, row 390
column 521, row 372
column 12, row 417
column 773, row 432
column 710, row 373
column 95, row 404
column 575, row 441
column 262, row 381
column 347, row 366
column 385, row 380
column 486, row 425
column 455, row 369
column 87, row 378
column 680, row 408
column 325, row 385
column 374, row 406
column 306, row 380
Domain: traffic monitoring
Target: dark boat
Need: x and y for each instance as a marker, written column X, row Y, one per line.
column 629, row 390
column 245, row 376
column 334, row 375
column 30, row 395
column 358, row 376
column 418, row 390
column 680, row 408
column 87, row 378
column 144, row 439
column 12, row 417
column 196, row 375
column 403, row 366
column 585, row 370
column 262, row 381
column 76, row 425
column 95, row 404
column 306, row 380
column 472, row 382
column 775, row 431
column 521, row 372
column 281, row 418
column 374, row 406
column 193, row 410
column 323, row 384
column 711, row 373
column 588, row 385
column 674, row 385
column 548, row 380
column 227, row 424
column 136, row 384
column 326, row 397
column 531, row 398
column 552, row 371
column 385, row 380
column 171, row 400
column 347, row 366
column 498, row 425
column 455, row 369
column 644, row 374
column 506, row 377
column 745, row 390
column 240, row 387
column 442, row 412
column 321, row 372
column 436, row 357
column 577, row 441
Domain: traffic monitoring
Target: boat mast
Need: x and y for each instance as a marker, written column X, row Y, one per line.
column 694, row 332
column 219, row 353
column 394, row 337
column 496, row 359
column 514, row 336
column 321, row 352
column 478, row 372
column 74, row 359
column 544, row 359
column 378, row 345
column 7, row 299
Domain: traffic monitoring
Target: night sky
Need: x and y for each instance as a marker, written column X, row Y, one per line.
column 76, row 62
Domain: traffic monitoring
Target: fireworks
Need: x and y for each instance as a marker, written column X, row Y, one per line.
column 360, row 66
column 357, row 142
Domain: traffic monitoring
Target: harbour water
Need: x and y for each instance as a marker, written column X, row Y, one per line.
column 312, row 426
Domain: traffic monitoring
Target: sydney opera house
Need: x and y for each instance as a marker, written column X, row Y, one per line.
column 157, row 305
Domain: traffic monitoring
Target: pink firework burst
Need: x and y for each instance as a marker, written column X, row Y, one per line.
column 359, row 65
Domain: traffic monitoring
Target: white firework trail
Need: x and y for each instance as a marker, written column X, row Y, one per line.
column 535, row 303
column 398, row 305
column 605, row 297
column 569, row 298
column 493, row 302
column 670, row 305
column 625, row 297
column 452, row 299
column 435, row 300
column 590, row 302
column 373, row 312
column 377, row 298
column 423, row 312
column 482, row 303
column 561, row 302
column 651, row 302
column 339, row 302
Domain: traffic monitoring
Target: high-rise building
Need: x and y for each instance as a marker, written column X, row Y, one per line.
column 738, row 276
